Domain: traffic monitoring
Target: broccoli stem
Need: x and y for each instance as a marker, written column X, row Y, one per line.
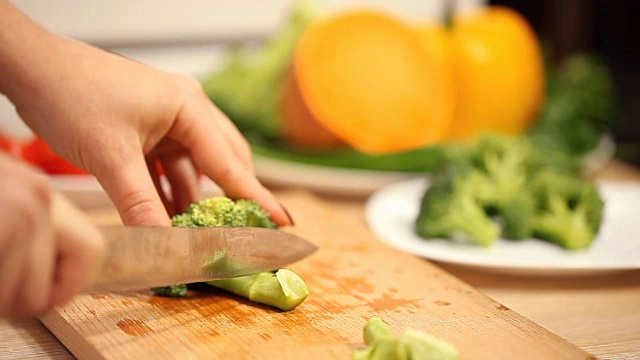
column 412, row 344
column 376, row 329
column 178, row 290
column 283, row 289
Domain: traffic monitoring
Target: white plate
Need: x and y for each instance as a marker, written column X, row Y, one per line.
column 392, row 210
column 326, row 179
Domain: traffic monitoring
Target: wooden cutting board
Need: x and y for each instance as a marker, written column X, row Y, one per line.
column 352, row 277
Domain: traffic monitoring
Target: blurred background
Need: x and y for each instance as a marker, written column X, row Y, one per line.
column 609, row 29
column 186, row 38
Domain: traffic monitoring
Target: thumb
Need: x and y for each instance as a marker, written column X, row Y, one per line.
column 79, row 245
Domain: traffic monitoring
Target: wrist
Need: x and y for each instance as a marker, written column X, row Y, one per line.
column 24, row 51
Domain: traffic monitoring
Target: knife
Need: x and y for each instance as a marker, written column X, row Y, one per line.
column 145, row 257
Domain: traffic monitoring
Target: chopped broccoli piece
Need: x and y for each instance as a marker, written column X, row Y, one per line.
column 376, row 329
column 218, row 211
column 283, row 289
column 179, row 290
column 412, row 344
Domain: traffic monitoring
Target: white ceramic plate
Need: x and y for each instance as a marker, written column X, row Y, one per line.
column 392, row 210
column 326, row 179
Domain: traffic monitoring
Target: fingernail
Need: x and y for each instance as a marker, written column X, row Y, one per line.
column 288, row 214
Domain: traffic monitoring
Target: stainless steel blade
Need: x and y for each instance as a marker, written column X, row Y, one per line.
column 145, row 257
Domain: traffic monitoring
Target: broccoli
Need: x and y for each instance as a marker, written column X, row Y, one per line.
column 451, row 208
column 412, row 344
column 569, row 210
column 580, row 107
column 283, row 289
column 502, row 186
column 178, row 290
column 505, row 163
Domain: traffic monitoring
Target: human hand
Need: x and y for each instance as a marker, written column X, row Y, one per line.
column 114, row 118
column 47, row 246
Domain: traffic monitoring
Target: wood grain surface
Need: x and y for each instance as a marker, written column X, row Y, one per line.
column 351, row 278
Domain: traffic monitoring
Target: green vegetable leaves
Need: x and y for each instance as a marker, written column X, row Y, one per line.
column 248, row 87
column 580, row 106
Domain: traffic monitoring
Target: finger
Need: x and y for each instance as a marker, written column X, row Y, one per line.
column 11, row 277
column 133, row 192
column 26, row 267
column 236, row 181
column 237, row 141
column 79, row 249
column 34, row 292
column 183, row 178
column 152, row 165
column 218, row 161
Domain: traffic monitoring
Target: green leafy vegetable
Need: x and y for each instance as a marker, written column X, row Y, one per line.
column 580, row 106
column 507, row 179
column 410, row 345
column 248, row 87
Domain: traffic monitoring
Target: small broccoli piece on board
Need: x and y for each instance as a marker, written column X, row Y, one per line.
column 410, row 345
column 179, row 290
column 283, row 289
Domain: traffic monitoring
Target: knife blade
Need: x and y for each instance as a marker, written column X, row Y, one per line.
column 145, row 257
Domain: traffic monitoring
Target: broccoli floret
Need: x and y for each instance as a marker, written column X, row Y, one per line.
column 569, row 209
column 254, row 214
column 562, row 225
column 217, row 211
column 504, row 161
column 283, row 289
column 501, row 186
column 450, row 208
column 222, row 211
column 517, row 216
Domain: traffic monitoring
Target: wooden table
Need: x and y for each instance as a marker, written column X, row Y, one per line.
column 599, row 314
